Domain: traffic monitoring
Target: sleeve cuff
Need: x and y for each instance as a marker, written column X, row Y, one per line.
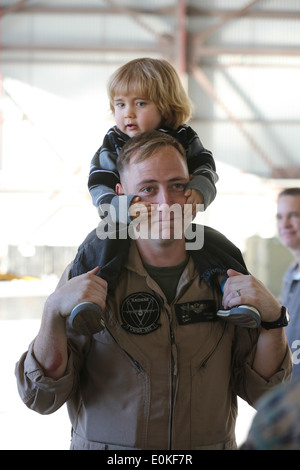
column 263, row 385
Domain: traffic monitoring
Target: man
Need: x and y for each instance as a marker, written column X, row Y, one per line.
column 288, row 223
column 165, row 372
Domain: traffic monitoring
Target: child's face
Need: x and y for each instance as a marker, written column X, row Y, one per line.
column 134, row 114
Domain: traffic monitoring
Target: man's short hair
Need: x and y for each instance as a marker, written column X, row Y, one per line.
column 144, row 145
column 289, row 192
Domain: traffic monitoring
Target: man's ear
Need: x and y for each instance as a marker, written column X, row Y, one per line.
column 119, row 189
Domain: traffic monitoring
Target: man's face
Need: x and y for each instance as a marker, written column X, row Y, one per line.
column 288, row 221
column 159, row 181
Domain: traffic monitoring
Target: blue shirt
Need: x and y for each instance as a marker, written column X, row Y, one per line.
column 290, row 298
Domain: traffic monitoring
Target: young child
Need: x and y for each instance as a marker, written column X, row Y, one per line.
column 147, row 94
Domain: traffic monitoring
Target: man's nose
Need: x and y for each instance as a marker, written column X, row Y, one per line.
column 285, row 221
column 164, row 197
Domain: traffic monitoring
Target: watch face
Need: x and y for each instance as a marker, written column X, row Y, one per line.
column 287, row 317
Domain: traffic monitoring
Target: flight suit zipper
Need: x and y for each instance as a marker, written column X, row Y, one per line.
column 173, row 376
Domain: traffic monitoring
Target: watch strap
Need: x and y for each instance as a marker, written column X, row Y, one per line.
column 280, row 323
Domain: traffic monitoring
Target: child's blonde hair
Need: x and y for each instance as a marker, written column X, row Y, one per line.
column 156, row 80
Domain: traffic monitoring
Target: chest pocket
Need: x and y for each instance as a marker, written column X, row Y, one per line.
column 198, row 311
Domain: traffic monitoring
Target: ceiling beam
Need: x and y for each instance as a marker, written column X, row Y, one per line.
column 286, row 172
column 137, row 18
column 181, row 39
column 231, row 15
column 255, row 14
column 12, row 8
column 93, row 48
column 198, row 51
column 212, row 51
column 204, row 82
column 191, row 11
column 84, row 10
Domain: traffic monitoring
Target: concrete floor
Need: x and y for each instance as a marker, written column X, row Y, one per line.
column 21, row 428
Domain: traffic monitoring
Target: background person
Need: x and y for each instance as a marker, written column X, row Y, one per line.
column 288, row 224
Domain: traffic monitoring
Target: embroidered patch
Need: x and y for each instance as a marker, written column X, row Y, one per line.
column 196, row 311
column 140, row 313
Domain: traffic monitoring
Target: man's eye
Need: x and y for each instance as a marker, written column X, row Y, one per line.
column 147, row 189
column 179, row 186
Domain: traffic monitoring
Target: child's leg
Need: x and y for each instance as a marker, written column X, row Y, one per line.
column 242, row 315
column 110, row 255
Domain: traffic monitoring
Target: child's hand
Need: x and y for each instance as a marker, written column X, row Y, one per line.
column 194, row 197
column 138, row 208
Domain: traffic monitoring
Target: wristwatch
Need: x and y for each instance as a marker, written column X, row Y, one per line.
column 282, row 321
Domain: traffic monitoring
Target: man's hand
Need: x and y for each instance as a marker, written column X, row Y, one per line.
column 243, row 289
column 87, row 287
column 139, row 209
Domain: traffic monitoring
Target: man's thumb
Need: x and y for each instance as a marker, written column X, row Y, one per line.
column 232, row 272
column 94, row 270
